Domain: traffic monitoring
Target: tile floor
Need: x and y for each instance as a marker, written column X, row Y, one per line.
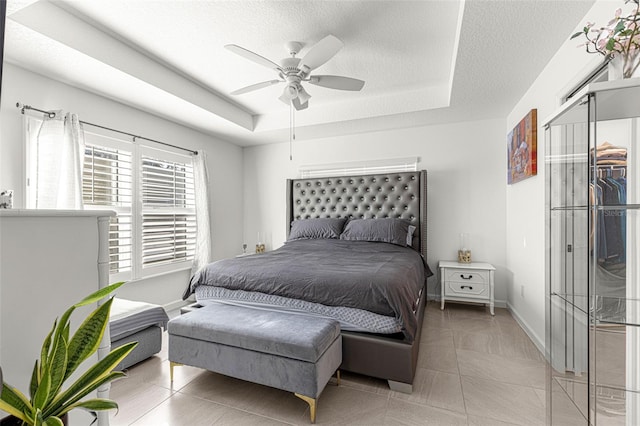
column 473, row 369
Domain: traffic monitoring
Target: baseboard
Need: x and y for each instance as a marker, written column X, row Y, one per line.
column 523, row 324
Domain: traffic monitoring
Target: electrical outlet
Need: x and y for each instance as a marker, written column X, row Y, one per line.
column 522, row 290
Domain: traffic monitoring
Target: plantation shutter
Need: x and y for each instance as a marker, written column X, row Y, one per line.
column 168, row 210
column 107, row 183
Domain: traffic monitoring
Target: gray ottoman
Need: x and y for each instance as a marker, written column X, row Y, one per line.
column 288, row 351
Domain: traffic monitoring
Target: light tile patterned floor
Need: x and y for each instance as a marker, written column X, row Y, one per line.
column 473, row 369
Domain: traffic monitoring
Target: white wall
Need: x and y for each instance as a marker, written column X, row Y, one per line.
column 466, row 165
column 225, row 162
column 525, row 200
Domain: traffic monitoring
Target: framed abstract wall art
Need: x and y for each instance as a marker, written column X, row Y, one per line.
column 522, row 149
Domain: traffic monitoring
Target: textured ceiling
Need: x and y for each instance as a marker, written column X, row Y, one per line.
column 423, row 61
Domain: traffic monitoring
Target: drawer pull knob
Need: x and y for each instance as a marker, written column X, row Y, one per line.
column 466, row 278
column 466, row 286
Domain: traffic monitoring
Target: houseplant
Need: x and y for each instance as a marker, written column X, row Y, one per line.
column 61, row 355
column 619, row 40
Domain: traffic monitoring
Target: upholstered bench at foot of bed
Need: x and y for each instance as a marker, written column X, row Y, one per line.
column 295, row 353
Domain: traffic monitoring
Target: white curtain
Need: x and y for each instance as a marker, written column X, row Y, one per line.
column 202, row 254
column 59, row 157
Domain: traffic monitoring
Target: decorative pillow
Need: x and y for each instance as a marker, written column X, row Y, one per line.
column 388, row 230
column 410, row 232
column 320, row 228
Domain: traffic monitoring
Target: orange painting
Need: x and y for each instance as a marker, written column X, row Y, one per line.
column 522, row 149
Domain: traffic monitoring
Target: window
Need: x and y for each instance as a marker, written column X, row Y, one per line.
column 354, row 168
column 152, row 192
column 168, row 211
column 107, row 184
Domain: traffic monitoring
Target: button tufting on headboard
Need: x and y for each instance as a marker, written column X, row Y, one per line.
column 408, row 200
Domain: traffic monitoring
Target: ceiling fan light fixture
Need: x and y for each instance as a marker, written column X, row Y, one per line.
column 290, row 92
column 303, row 96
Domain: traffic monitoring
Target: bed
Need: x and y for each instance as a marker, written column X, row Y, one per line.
column 355, row 252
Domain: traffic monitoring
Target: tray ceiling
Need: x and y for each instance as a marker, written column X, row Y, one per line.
column 423, row 61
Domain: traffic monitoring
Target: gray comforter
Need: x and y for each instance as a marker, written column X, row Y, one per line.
column 377, row 277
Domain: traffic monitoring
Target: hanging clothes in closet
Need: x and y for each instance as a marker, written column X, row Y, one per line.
column 610, row 189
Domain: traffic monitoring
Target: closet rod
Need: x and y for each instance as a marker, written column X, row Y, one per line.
column 52, row 114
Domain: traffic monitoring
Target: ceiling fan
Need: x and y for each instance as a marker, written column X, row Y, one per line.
column 293, row 71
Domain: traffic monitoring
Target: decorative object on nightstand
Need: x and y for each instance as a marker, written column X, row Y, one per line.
column 466, row 282
column 464, row 254
column 6, row 199
column 260, row 248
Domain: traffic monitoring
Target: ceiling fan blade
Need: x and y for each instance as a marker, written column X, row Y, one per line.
column 299, row 106
column 255, row 87
column 254, row 57
column 337, row 82
column 320, row 53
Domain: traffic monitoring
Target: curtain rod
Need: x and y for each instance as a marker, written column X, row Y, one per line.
column 52, row 114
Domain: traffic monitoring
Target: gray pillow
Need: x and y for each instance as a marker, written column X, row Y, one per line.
column 320, row 228
column 386, row 230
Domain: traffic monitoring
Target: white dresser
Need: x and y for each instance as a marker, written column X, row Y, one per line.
column 49, row 260
column 466, row 282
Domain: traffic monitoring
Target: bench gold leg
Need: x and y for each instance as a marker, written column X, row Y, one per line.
column 337, row 377
column 312, row 405
column 171, row 365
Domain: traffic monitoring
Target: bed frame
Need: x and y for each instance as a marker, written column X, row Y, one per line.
column 398, row 195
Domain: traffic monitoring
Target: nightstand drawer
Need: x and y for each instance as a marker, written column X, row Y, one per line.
column 467, row 290
column 467, row 276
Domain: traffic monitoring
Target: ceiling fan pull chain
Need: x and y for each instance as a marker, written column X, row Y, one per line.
column 290, row 130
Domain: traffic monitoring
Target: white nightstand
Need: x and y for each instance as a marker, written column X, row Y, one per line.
column 466, row 282
column 246, row 254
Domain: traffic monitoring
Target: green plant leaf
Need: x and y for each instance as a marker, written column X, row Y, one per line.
column 86, row 339
column 576, row 35
column 92, row 378
column 610, row 44
column 38, row 419
column 46, row 345
column 15, row 403
column 33, row 385
column 60, row 408
column 42, row 393
column 619, row 27
column 58, row 365
column 53, row 421
column 95, row 404
column 66, row 333
column 64, row 325
column 98, row 295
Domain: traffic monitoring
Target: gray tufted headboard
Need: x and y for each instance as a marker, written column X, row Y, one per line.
column 401, row 195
